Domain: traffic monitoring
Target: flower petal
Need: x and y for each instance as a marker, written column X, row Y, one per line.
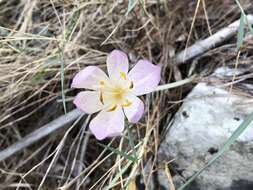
column 88, row 101
column 108, row 124
column 135, row 111
column 145, row 76
column 117, row 64
column 89, row 78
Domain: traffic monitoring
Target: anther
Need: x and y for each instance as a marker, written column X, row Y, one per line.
column 123, row 75
column 127, row 104
column 131, row 85
column 102, row 82
column 112, row 108
column 101, row 97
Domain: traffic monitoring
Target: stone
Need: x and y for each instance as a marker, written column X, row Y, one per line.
column 207, row 118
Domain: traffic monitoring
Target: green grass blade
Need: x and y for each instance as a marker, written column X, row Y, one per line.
column 242, row 12
column 240, row 33
column 131, row 140
column 116, row 178
column 66, row 37
column 224, row 148
column 130, row 6
column 62, row 85
column 250, row 27
column 116, row 151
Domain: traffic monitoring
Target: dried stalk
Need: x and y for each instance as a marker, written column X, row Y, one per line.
column 210, row 42
column 39, row 134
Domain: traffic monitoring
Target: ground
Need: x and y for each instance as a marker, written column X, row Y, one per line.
column 44, row 43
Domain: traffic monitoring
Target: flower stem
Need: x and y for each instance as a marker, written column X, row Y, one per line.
column 174, row 84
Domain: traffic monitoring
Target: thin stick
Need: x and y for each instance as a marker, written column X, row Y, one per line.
column 175, row 84
column 168, row 174
column 210, row 42
column 235, row 69
column 39, row 134
column 191, row 29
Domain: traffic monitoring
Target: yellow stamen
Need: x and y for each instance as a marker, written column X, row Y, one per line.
column 123, row 75
column 102, row 82
column 131, row 85
column 101, row 97
column 127, row 104
column 112, row 108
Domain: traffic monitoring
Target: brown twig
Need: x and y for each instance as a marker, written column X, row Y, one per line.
column 39, row 134
column 210, row 42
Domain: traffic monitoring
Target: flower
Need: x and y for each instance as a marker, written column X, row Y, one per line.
column 115, row 95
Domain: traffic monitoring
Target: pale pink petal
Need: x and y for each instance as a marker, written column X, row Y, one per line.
column 117, row 63
column 135, row 111
column 108, row 124
column 89, row 78
column 88, row 101
column 145, row 76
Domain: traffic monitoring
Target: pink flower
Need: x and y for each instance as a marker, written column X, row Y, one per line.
column 116, row 95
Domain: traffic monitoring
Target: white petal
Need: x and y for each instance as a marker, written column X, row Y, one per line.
column 108, row 124
column 89, row 78
column 145, row 76
column 135, row 111
column 88, row 101
column 117, row 64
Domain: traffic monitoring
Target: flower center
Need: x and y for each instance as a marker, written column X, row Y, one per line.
column 115, row 93
column 118, row 93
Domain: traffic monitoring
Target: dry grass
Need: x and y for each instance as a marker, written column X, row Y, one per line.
column 38, row 37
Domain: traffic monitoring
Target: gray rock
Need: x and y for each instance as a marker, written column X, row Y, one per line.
column 147, row 177
column 205, row 121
